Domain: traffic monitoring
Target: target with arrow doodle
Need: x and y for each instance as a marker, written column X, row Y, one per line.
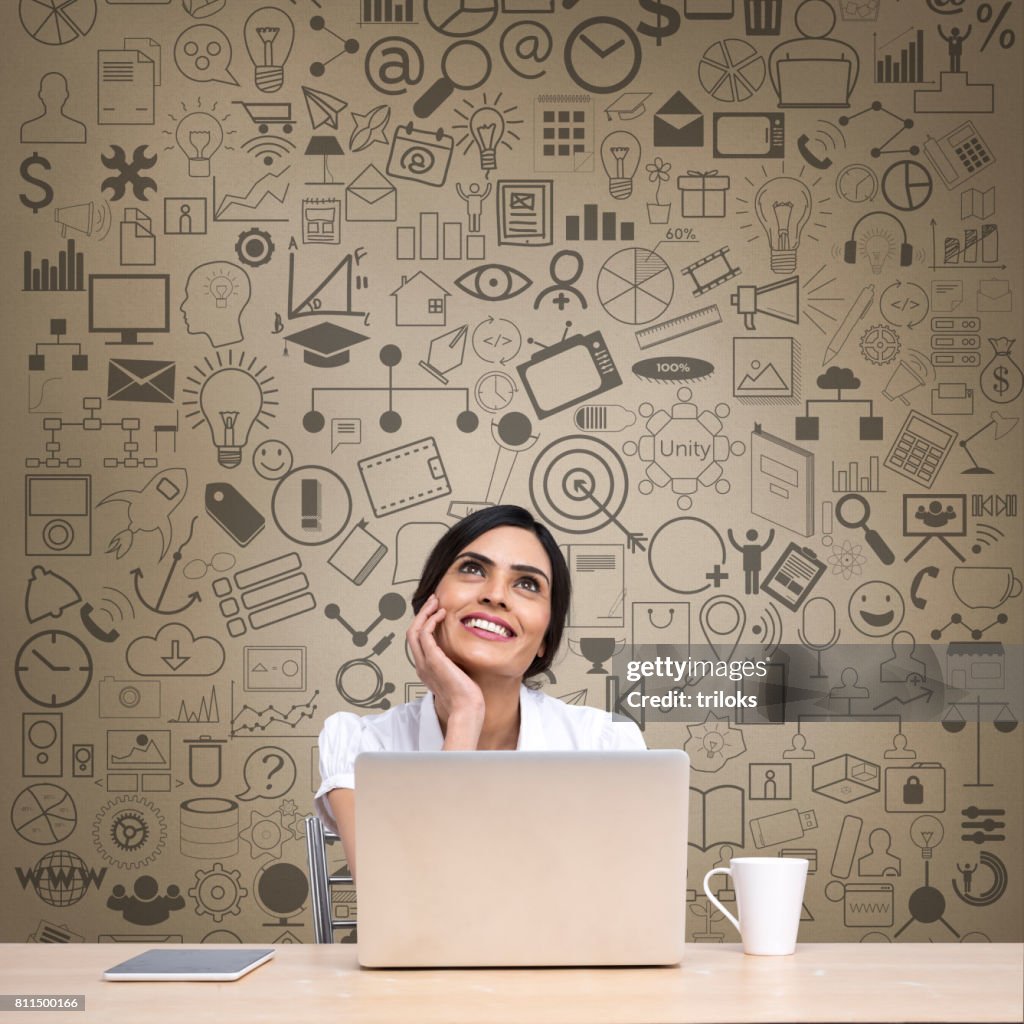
column 579, row 484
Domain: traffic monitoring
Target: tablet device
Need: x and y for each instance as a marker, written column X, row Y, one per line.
column 189, row 965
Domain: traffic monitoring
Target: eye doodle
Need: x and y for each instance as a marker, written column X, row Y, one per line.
column 494, row 282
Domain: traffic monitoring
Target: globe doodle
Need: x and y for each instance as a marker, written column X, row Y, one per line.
column 61, row 878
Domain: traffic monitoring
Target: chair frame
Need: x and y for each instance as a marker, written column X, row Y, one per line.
column 321, row 880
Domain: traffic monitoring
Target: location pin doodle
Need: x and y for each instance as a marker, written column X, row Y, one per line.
column 1002, row 380
column 722, row 620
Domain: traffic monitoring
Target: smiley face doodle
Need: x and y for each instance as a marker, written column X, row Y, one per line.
column 272, row 460
column 876, row 608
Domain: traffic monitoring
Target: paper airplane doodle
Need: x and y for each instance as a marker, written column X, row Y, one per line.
column 323, row 108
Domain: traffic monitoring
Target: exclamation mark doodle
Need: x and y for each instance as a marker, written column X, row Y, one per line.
column 310, row 499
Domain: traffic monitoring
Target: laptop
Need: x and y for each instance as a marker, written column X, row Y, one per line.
column 521, row 858
column 814, row 82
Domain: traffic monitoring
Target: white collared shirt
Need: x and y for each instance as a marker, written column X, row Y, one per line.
column 545, row 723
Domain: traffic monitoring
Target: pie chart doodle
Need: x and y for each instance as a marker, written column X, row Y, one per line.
column 907, row 185
column 56, row 22
column 635, row 286
column 44, row 814
column 731, row 71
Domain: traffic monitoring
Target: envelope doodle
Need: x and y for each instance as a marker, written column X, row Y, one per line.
column 140, row 380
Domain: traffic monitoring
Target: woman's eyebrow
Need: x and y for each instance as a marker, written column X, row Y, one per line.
column 518, row 568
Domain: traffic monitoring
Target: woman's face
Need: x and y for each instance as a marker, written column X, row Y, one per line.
column 497, row 594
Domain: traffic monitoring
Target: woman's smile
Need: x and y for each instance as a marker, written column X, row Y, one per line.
column 489, row 627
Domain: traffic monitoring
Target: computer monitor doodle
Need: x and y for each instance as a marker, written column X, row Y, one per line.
column 129, row 305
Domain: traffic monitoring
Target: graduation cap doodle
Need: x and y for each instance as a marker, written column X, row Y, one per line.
column 325, row 344
column 628, row 106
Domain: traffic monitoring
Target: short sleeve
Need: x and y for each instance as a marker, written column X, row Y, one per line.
column 620, row 735
column 341, row 740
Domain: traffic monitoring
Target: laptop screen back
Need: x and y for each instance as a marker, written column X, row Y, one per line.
column 514, row 858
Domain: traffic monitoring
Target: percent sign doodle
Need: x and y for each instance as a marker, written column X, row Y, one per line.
column 986, row 14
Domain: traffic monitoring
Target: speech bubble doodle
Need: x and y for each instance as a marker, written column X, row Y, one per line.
column 268, row 772
column 203, row 53
column 345, row 431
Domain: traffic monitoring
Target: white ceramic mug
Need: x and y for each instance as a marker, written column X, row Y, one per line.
column 769, row 898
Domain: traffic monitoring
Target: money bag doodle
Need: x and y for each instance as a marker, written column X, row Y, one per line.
column 1002, row 379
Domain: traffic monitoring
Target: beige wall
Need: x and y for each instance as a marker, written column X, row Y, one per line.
column 136, row 772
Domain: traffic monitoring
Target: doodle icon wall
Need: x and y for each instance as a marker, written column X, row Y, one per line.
column 727, row 292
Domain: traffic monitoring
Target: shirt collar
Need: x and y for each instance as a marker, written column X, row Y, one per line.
column 531, row 736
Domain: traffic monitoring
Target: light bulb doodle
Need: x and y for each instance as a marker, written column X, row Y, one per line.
column 269, row 35
column 488, row 127
column 783, row 207
column 230, row 398
column 620, row 156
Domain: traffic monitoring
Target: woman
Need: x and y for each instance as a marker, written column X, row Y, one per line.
column 490, row 609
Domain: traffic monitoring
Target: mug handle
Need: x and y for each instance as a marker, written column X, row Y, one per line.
column 707, row 891
column 1015, row 588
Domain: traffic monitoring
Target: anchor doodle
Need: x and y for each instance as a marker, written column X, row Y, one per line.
column 175, row 559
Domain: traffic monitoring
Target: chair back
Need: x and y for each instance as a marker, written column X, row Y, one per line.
column 321, row 880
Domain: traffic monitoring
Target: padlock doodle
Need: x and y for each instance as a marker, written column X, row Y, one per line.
column 913, row 791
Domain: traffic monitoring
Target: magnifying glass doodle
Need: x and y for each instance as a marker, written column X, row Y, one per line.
column 473, row 64
column 859, row 521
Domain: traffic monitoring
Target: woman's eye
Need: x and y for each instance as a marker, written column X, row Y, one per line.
column 531, row 583
column 494, row 282
column 471, row 567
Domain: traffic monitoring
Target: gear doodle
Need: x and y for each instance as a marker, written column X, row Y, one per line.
column 254, row 247
column 218, row 892
column 267, row 833
column 129, row 172
column 880, row 344
column 129, row 832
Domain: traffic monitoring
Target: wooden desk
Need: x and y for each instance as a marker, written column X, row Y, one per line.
column 821, row 982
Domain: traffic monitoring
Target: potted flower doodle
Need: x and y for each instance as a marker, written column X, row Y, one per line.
column 657, row 175
column 702, row 909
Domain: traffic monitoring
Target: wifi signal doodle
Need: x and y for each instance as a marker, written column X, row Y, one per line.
column 768, row 630
column 268, row 148
column 987, row 536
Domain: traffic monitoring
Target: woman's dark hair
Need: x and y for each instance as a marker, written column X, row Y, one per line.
column 440, row 560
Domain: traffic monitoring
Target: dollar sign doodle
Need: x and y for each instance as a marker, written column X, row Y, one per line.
column 1002, row 384
column 35, row 205
column 667, row 23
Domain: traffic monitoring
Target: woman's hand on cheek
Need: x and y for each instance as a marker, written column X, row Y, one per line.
column 455, row 693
